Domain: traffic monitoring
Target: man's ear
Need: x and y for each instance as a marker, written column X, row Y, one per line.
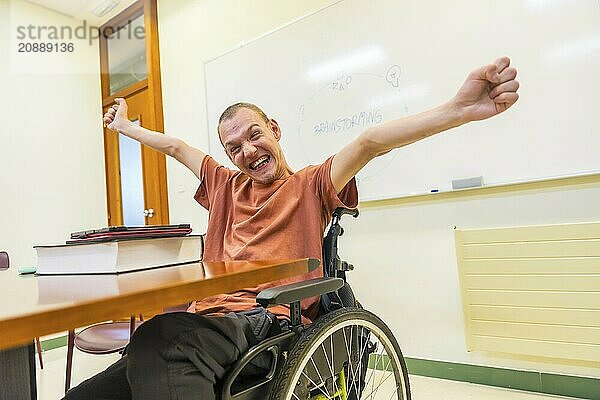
column 275, row 128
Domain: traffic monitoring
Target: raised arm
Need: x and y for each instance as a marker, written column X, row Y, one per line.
column 116, row 119
column 487, row 91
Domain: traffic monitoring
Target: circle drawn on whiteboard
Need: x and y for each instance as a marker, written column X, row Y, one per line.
column 341, row 110
column 393, row 75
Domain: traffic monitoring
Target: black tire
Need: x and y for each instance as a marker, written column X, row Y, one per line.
column 312, row 365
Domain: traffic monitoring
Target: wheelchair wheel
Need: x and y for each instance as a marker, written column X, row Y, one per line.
column 347, row 354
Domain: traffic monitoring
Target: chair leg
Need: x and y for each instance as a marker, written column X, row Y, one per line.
column 39, row 351
column 131, row 325
column 70, row 346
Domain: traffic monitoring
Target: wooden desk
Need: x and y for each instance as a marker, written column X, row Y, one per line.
column 33, row 306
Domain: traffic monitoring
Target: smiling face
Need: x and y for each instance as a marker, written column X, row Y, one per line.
column 252, row 144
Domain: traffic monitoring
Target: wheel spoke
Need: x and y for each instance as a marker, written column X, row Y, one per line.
column 361, row 356
column 395, row 392
column 329, row 363
column 385, row 369
column 351, row 372
column 356, row 382
column 332, row 366
column 370, row 375
column 374, row 375
column 320, row 387
column 382, row 381
column 317, row 369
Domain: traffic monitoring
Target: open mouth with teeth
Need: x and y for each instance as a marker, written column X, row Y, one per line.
column 261, row 162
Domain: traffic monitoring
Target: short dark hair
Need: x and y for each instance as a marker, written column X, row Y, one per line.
column 233, row 109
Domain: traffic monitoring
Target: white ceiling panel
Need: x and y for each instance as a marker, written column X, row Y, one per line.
column 82, row 9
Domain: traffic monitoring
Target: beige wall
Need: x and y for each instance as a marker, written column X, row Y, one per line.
column 51, row 163
column 405, row 258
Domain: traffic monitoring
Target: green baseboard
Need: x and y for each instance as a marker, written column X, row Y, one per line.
column 541, row 382
column 54, row 343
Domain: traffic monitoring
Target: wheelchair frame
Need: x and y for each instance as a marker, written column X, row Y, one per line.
column 288, row 349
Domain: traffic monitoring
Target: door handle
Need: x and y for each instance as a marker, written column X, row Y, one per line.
column 149, row 213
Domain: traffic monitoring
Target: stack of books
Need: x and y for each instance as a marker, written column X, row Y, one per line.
column 121, row 249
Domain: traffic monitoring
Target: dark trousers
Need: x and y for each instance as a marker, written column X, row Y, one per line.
column 178, row 356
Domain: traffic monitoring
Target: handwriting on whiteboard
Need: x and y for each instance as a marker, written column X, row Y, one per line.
column 347, row 122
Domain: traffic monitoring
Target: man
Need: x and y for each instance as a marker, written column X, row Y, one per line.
column 263, row 210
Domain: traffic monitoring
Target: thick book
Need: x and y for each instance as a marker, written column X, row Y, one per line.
column 118, row 255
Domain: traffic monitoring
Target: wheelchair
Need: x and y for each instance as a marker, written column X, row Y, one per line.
column 348, row 353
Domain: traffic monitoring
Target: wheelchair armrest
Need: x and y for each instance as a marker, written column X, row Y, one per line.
column 294, row 292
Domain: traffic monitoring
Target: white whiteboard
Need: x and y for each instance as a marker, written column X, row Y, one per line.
column 329, row 75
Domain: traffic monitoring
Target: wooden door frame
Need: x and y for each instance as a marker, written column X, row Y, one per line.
column 155, row 121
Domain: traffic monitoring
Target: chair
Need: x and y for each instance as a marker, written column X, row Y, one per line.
column 4, row 265
column 347, row 353
column 104, row 338
column 4, row 260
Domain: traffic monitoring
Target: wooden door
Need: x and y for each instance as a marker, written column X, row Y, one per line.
column 152, row 175
column 143, row 95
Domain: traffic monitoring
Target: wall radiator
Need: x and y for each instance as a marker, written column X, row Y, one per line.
column 532, row 290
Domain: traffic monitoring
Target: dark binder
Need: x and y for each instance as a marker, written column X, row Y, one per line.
column 130, row 232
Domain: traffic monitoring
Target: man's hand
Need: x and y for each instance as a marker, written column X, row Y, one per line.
column 115, row 117
column 488, row 91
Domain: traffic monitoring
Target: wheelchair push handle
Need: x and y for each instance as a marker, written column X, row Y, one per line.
column 335, row 229
column 341, row 211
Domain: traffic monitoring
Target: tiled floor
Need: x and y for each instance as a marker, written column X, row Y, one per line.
column 51, row 381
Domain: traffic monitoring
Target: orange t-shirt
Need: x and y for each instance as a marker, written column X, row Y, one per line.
column 252, row 221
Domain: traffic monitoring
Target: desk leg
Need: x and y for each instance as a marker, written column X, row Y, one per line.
column 17, row 373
